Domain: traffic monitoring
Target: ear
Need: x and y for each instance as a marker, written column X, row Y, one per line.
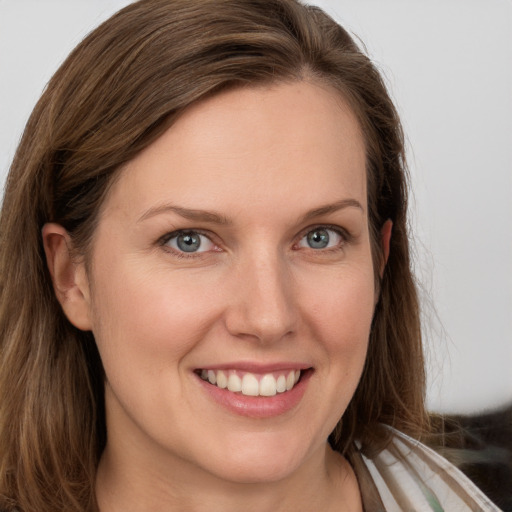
column 385, row 239
column 68, row 276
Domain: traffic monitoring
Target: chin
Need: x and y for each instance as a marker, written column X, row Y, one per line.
column 263, row 458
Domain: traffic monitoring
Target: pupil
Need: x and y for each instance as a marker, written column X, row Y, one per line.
column 318, row 239
column 189, row 242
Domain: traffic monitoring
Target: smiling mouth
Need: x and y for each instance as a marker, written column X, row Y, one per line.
column 252, row 384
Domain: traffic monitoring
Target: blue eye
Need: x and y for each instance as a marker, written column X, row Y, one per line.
column 321, row 238
column 190, row 242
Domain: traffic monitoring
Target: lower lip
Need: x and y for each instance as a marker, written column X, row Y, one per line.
column 258, row 406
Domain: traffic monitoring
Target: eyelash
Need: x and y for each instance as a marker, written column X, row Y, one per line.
column 163, row 241
column 345, row 236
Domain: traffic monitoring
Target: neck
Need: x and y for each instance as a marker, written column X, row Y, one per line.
column 325, row 482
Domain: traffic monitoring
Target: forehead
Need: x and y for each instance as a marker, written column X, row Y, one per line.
column 298, row 143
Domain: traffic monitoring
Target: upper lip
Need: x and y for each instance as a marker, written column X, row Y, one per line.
column 256, row 367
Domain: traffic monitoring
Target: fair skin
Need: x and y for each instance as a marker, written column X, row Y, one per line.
column 235, row 246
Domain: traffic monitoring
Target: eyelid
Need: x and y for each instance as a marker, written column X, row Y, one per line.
column 333, row 227
column 342, row 232
column 164, row 240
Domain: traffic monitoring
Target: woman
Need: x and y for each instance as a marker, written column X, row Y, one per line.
column 207, row 296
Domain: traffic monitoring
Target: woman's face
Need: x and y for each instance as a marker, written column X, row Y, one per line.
column 235, row 248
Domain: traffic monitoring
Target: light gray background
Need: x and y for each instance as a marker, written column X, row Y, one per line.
column 448, row 64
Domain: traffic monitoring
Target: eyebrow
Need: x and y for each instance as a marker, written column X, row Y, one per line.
column 187, row 213
column 197, row 215
column 332, row 208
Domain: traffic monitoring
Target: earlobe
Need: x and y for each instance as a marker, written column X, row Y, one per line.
column 69, row 277
column 385, row 240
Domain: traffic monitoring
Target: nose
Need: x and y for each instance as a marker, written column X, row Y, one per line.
column 263, row 300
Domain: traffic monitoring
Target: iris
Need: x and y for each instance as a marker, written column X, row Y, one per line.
column 318, row 239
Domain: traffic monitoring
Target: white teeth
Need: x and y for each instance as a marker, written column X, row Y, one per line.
column 268, row 385
column 250, row 384
column 234, row 383
column 222, row 380
column 290, row 381
column 281, row 384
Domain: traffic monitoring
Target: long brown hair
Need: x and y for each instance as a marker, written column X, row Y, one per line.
column 120, row 89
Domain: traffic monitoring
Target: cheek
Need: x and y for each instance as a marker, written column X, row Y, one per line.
column 342, row 308
column 146, row 323
column 340, row 312
column 149, row 314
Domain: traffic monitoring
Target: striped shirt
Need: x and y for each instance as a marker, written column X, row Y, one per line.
column 410, row 477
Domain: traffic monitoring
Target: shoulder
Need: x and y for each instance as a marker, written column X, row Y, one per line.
column 408, row 475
